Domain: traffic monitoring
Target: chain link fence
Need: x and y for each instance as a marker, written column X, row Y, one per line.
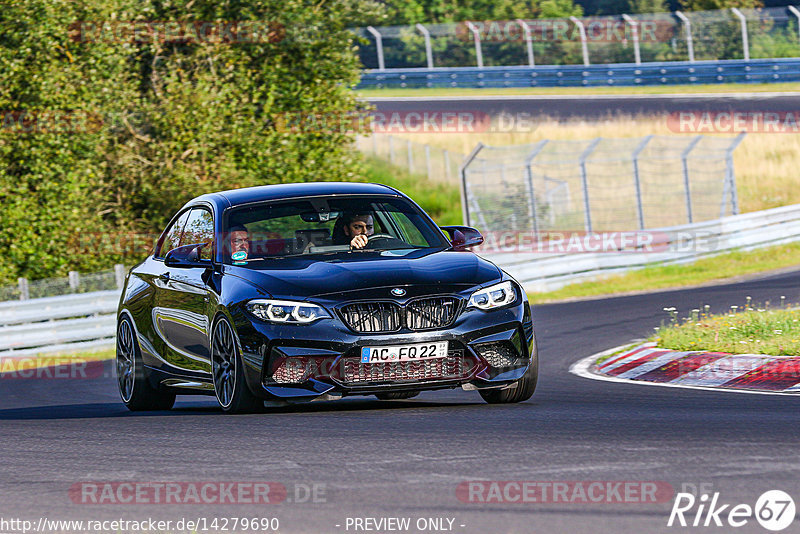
column 652, row 37
column 74, row 283
column 436, row 163
column 599, row 185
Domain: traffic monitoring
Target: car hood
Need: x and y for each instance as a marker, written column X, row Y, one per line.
column 301, row 277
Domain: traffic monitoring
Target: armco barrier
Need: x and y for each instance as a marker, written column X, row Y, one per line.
column 625, row 74
column 546, row 272
column 81, row 321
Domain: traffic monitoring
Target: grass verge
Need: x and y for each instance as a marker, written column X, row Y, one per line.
column 11, row 364
column 750, row 331
column 442, row 201
column 589, row 91
column 719, row 267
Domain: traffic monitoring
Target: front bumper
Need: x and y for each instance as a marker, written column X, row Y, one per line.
column 333, row 352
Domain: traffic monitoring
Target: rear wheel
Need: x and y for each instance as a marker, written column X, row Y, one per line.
column 227, row 371
column 522, row 389
column 397, row 395
column 134, row 387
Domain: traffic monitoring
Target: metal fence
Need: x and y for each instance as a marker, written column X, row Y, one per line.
column 599, row 185
column 437, row 164
column 74, row 283
column 654, row 37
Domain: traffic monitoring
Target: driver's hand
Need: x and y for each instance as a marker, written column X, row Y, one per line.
column 359, row 241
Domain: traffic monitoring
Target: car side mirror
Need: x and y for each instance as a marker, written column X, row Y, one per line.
column 463, row 237
column 186, row 257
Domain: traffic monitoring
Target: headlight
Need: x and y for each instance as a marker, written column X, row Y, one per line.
column 286, row 311
column 495, row 296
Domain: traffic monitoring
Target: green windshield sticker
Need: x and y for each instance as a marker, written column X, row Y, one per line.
column 239, row 256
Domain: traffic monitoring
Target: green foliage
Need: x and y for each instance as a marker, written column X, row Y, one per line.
column 441, row 201
column 705, row 5
column 179, row 118
column 743, row 330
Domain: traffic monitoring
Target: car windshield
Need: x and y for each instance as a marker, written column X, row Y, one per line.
column 326, row 226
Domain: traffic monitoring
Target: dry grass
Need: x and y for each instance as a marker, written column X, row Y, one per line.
column 766, row 164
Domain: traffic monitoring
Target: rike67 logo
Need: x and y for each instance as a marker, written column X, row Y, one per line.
column 774, row 510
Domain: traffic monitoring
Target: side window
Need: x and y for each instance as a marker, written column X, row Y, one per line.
column 411, row 233
column 199, row 229
column 173, row 236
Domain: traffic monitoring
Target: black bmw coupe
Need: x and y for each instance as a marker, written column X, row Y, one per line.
column 290, row 293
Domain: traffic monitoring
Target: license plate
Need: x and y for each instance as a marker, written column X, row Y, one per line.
column 404, row 353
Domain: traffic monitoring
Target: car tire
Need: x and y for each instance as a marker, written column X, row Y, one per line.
column 227, row 371
column 397, row 395
column 522, row 389
column 137, row 393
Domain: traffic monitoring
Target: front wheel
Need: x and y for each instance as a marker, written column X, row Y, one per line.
column 522, row 389
column 227, row 371
column 134, row 387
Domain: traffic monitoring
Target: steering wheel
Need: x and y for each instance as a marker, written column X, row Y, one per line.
column 380, row 236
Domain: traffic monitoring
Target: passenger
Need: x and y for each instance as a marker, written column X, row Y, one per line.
column 239, row 240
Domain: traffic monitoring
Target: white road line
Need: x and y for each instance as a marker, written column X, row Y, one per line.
column 583, row 368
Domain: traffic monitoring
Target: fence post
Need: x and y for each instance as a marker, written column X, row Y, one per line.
column 637, row 183
column 582, row 32
column 391, row 150
column 528, row 41
column 731, row 175
column 745, row 43
column 24, row 290
column 476, row 36
column 688, row 25
column 447, row 165
column 796, row 13
column 587, row 217
column 463, row 172
column 379, row 45
column 410, row 156
column 428, row 160
column 74, row 280
column 635, row 31
column 531, row 193
column 119, row 275
column 428, row 52
column 686, row 183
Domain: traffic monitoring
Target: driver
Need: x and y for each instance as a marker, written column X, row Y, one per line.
column 357, row 227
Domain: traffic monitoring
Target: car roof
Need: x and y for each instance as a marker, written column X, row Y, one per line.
column 246, row 195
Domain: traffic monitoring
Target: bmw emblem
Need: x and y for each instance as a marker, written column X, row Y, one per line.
column 398, row 292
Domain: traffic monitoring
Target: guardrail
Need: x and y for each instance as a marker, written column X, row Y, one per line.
column 626, row 74
column 541, row 271
column 80, row 321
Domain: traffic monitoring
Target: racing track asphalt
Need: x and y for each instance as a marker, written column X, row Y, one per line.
column 405, row 458
column 592, row 106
